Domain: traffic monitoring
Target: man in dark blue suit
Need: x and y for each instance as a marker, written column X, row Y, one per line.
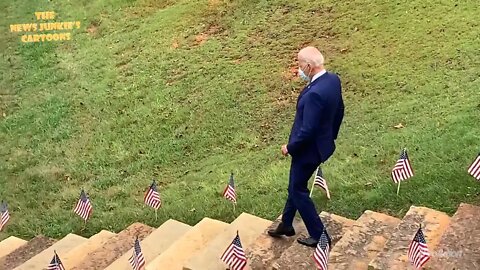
column 317, row 122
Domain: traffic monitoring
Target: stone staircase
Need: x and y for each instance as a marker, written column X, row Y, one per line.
column 374, row 241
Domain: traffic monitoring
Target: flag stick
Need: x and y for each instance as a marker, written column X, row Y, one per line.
column 311, row 190
column 233, row 207
column 313, row 182
column 156, row 216
column 398, row 187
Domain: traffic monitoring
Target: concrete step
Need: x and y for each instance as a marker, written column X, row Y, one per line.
column 394, row 253
column 114, row 247
column 361, row 244
column 25, row 252
column 192, row 241
column 249, row 227
column 10, row 244
column 154, row 244
column 77, row 254
column 63, row 246
column 298, row 256
column 266, row 250
column 459, row 247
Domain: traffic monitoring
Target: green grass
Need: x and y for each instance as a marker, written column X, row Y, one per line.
column 120, row 105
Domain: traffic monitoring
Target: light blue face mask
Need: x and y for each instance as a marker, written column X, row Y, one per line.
column 302, row 75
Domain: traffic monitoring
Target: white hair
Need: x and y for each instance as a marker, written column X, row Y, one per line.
column 317, row 60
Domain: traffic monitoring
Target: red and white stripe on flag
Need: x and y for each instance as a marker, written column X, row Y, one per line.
column 474, row 168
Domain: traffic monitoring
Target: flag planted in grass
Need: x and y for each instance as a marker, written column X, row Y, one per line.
column 474, row 169
column 234, row 256
column 229, row 192
column 321, row 182
column 152, row 197
column 418, row 253
column 402, row 169
column 84, row 207
column 4, row 215
column 137, row 261
column 320, row 256
column 56, row 263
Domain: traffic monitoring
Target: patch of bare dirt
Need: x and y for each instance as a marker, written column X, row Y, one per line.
column 92, row 29
column 148, row 7
column 7, row 101
column 214, row 3
column 290, row 74
column 201, row 38
column 211, row 30
column 175, row 44
column 214, row 29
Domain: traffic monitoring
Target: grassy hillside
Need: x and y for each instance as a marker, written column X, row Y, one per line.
column 185, row 92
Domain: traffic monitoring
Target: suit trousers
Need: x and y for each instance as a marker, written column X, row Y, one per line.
column 299, row 199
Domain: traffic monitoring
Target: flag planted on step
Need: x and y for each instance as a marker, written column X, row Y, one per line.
column 234, row 255
column 474, row 169
column 4, row 215
column 418, row 253
column 320, row 256
column 137, row 261
column 321, row 182
column 152, row 197
column 56, row 263
column 402, row 169
column 229, row 192
column 84, row 207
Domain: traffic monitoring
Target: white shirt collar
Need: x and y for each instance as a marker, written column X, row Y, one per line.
column 316, row 76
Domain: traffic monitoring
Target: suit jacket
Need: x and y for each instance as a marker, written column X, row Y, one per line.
column 319, row 114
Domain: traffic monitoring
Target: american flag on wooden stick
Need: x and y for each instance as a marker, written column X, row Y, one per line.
column 229, row 192
column 321, row 182
column 320, row 256
column 84, row 207
column 234, row 255
column 474, row 169
column 418, row 253
column 56, row 263
column 4, row 215
column 152, row 197
column 402, row 169
column 137, row 261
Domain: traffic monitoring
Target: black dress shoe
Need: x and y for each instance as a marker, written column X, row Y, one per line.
column 282, row 230
column 309, row 242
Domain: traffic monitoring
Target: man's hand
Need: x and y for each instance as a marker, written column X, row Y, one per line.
column 284, row 150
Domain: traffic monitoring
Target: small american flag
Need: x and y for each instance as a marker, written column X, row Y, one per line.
column 320, row 256
column 403, row 169
column 83, row 207
column 152, row 197
column 56, row 264
column 321, row 182
column 229, row 192
column 137, row 260
column 234, row 255
column 4, row 215
column 418, row 253
column 474, row 169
